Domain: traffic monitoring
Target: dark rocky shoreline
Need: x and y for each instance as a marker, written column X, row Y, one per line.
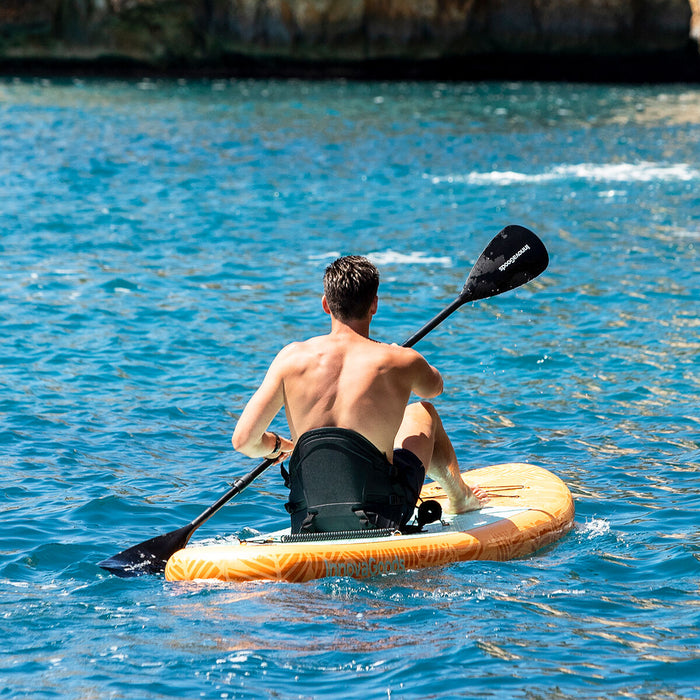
column 632, row 41
column 680, row 67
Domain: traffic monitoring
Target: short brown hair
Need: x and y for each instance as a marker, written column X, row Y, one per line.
column 350, row 285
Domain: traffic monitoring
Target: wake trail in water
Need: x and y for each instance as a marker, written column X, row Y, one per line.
column 613, row 172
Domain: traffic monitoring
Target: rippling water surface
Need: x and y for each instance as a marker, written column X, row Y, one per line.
column 160, row 241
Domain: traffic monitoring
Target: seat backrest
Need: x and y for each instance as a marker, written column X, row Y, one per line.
column 340, row 481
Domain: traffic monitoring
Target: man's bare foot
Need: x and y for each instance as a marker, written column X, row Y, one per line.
column 476, row 499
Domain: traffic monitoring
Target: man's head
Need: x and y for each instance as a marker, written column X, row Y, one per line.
column 350, row 285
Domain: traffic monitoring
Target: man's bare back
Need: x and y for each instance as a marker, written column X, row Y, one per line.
column 347, row 380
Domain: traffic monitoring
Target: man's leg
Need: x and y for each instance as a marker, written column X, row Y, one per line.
column 422, row 432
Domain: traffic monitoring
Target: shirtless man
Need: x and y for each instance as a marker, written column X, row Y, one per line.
column 344, row 379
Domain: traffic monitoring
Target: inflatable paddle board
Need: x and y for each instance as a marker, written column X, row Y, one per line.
column 529, row 508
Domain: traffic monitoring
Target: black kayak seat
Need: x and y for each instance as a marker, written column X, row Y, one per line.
column 339, row 481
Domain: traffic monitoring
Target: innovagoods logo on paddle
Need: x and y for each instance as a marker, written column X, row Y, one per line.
column 510, row 261
column 365, row 567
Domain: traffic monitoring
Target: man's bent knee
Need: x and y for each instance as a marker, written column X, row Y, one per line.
column 420, row 410
column 418, row 430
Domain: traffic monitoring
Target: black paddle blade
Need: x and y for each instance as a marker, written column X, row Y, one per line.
column 149, row 557
column 515, row 256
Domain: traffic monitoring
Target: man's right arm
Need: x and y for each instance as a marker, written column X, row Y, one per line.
column 251, row 436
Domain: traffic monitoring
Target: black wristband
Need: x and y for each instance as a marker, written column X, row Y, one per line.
column 276, row 452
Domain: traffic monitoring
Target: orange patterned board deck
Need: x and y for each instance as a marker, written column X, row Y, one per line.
column 529, row 508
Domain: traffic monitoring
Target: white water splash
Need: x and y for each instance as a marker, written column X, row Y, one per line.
column 597, row 527
column 391, row 257
column 330, row 255
column 612, row 172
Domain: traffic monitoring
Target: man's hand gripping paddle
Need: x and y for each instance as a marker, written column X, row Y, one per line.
column 512, row 258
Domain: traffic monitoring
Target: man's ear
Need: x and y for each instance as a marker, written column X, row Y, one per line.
column 373, row 308
column 324, row 303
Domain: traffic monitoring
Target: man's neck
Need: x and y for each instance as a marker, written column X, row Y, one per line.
column 356, row 327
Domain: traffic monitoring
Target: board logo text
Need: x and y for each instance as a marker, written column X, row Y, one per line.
column 365, row 568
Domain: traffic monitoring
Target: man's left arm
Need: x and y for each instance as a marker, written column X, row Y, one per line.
column 427, row 380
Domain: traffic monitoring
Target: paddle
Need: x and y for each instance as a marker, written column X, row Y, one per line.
column 512, row 258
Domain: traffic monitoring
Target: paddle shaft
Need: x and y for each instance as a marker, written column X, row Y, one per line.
column 436, row 321
column 238, row 486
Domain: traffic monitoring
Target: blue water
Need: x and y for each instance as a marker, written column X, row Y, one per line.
column 159, row 241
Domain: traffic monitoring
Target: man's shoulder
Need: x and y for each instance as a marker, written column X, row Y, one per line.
column 321, row 344
column 406, row 354
column 392, row 355
column 297, row 347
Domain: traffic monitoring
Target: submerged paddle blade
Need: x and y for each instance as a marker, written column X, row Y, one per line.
column 149, row 557
column 515, row 256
